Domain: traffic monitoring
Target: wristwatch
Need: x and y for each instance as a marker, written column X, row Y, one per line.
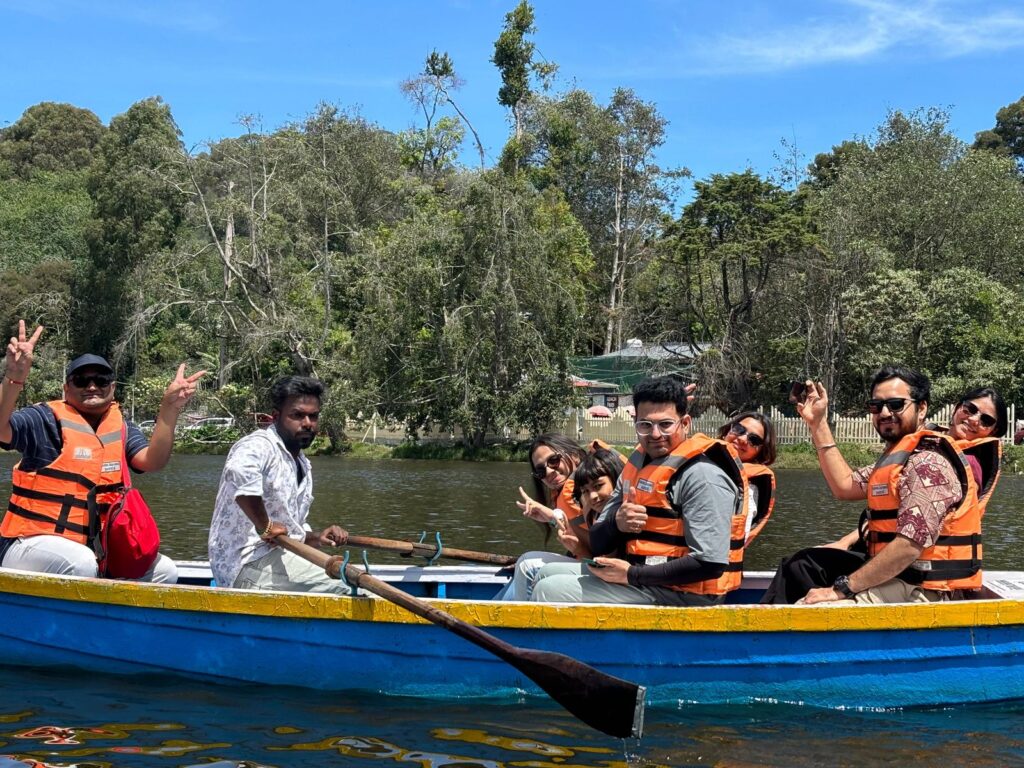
column 842, row 586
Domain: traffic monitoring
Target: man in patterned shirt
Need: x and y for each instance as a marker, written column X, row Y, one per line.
column 928, row 489
column 266, row 490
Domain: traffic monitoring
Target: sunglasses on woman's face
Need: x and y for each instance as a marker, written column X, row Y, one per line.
column 540, row 471
column 894, row 404
column 972, row 410
column 740, row 431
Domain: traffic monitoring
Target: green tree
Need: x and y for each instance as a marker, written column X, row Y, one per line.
column 136, row 219
column 49, row 137
column 729, row 256
column 960, row 338
column 917, row 199
column 1008, row 134
column 828, row 166
column 472, row 305
column 265, row 276
column 434, row 147
column 514, row 58
column 602, row 159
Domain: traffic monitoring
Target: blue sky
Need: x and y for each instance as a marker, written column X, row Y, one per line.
column 732, row 78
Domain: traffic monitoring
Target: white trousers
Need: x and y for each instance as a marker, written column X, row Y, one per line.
column 55, row 554
column 283, row 571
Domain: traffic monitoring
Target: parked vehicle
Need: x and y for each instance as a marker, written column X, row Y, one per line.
column 216, row 422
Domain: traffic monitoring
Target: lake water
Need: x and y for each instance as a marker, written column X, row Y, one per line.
column 67, row 718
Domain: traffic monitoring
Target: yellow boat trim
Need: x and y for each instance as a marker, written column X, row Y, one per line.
column 733, row 618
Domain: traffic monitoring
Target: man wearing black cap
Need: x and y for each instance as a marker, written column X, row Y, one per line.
column 68, row 446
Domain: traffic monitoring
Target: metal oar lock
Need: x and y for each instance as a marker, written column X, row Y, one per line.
column 353, row 588
column 437, row 553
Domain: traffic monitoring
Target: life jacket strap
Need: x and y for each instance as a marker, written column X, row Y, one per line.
column 57, row 498
column 60, row 524
column 60, row 474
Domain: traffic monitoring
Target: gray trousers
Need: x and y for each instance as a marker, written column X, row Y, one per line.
column 557, row 584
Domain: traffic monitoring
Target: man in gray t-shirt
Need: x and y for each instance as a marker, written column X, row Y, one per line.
column 675, row 522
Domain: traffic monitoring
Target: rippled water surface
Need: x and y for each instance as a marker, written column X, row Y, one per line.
column 57, row 718
column 65, row 719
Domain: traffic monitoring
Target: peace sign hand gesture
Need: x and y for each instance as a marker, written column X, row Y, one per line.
column 180, row 390
column 19, row 353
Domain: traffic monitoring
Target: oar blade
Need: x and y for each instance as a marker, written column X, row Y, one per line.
column 609, row 704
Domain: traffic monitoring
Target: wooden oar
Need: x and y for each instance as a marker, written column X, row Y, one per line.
column 609, row 704
column 426, row 549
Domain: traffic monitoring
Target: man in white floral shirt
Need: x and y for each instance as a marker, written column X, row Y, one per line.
column 266, row 490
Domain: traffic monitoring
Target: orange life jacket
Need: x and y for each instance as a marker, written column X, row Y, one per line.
column 54, row 499
column 954, row 561
column 763, row 479
column 566, row 503
column 664, row 535
column 989, row 453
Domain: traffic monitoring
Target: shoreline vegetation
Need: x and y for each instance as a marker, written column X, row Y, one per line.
column 799, row 456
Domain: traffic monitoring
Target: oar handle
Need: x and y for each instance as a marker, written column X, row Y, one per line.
column 426, row 549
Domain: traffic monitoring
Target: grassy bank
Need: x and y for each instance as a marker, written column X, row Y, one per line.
column 801, row 456
column 789, row 456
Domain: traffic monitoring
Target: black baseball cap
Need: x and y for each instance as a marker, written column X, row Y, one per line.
column 85, row 361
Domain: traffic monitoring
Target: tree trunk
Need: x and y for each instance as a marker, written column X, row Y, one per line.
column 618, row 261
column 223, row 355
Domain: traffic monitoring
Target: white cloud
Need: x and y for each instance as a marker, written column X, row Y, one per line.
column 867, row 29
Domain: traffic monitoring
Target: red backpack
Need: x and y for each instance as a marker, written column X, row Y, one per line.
column 129, row 540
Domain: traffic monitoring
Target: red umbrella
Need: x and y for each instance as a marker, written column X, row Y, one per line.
column 599, row 411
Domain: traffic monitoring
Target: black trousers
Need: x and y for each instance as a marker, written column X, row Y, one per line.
column 809, row 568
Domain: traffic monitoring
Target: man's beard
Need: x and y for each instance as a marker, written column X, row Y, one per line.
column 298, row 441
column 893, row 437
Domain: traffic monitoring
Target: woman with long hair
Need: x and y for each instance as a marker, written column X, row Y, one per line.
column 553, row 459
column 979, row 420
column 593, row 483
column 752, row 436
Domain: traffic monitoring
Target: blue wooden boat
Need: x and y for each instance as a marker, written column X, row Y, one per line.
column 834, row 656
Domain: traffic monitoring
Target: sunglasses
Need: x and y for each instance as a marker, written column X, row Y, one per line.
column 894, row 404
column 972, row 410
column 82, row 380
column 740, row 431
column 665, row 427
column 552, row 462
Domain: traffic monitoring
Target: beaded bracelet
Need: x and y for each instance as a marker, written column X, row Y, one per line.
column 266, row 531
column 16, row 383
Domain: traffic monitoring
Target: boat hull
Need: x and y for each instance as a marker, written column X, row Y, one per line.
column 856, row 656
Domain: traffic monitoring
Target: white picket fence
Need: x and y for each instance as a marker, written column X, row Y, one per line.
column 618, row 429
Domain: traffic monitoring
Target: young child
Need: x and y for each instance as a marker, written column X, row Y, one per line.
column 593, row 484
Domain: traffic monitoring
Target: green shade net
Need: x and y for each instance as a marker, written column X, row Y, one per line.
column 624, row 371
